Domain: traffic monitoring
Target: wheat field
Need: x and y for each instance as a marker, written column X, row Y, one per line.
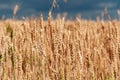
column 59, row 49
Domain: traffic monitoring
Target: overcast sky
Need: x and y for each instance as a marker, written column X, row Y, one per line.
column 85, row 8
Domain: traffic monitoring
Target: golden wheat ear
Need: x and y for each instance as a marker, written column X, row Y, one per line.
column 15, row 10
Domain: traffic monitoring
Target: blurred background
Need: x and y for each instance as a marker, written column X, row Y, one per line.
column 87, row 9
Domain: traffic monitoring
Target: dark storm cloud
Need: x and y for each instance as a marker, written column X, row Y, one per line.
column 72, row 7
column 84, row 5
